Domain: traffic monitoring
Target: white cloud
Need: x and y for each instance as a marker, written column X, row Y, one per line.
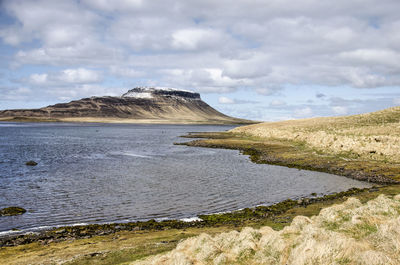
column 80, row 75
column 362, row 79
column 195, row 38
column 207, row 46
column 225, row 100
column 53, row 23
column 77, row 91
column 13, row 35
column 38, row 79
column 300, row 43
column 341, row 110
column 340, row 35
column 303, row 112
column 373, row 57
column 126, row 72
column 114, row 5
column 253, row 66
column 267, row 91
column 205, row 80
column 65, row 77
column 277, row 103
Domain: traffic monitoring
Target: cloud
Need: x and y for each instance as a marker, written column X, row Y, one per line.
column 262, row 44
column 225, row 100
column 205, row 80
column 80, row 75
column 38, row 79
column 65, row 77
column 341, row 110
column 303, row 112
column 115, row 5
column 277, row 103
column 15, row 93
column 193, row 39
column 53, row 23
column 126, row 72
column 218, row 47
column 382, row 57
column 267, row 91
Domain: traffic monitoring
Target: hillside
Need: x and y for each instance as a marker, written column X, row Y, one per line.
column 347, row 233
column 364, row 147
column 138, row 105
column 373, row 136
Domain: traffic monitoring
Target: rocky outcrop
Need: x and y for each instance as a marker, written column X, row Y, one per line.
column 11, row 211
column 140, row 103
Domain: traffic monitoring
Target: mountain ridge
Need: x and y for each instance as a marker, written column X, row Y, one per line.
column 138, row 105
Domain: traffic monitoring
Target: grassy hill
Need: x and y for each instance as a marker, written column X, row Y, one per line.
column 347, row 233
column 368, row 136
column 364, row 147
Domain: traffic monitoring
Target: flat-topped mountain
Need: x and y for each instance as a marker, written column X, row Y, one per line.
column 138, row 105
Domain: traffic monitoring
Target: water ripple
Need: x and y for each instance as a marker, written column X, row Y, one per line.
column 107, row 173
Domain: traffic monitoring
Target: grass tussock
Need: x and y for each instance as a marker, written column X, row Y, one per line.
column 347, row 233
column 373, row 136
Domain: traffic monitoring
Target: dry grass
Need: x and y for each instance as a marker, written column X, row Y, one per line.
column 125, row 247
column 347, row 233
column 367, row 136
column 117, row 248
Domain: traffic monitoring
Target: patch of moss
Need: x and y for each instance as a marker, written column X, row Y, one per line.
column 10, row 211
column 31, row 163
column 271, row 211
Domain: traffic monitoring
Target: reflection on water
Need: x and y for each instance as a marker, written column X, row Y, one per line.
column 95, row 173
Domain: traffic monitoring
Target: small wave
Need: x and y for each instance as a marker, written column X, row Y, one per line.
column 13, row 125
column 91, row 156
column 191, row 219
column 130, row 154
column 36, row 229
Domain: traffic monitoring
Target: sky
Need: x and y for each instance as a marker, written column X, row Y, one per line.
column 257, row 59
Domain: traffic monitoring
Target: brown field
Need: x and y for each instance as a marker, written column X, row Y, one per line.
column 373, row 136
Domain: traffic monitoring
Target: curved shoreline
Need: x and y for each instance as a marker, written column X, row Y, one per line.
column 118, row 243
column 239, row 217
column 236, row 218
column 298, row 155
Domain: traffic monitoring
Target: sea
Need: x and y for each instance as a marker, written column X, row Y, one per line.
column 105, row 173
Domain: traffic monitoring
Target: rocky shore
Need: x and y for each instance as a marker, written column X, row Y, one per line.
column 298, row 155
column 236, row 218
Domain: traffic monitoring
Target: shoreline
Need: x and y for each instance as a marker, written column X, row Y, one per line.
column 57, row 233
column 151, row 237
column 115, row 247
column 235, row 217
column 294, row 154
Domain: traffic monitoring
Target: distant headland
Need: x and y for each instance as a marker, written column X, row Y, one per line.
column 138, row 105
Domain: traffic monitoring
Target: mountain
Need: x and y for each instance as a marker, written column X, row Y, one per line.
column 138, row 105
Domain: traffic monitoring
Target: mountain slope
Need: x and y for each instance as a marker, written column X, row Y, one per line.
column 141, row 104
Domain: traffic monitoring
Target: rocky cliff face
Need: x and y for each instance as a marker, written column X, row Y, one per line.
column 140, row 103
column 153, row 92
